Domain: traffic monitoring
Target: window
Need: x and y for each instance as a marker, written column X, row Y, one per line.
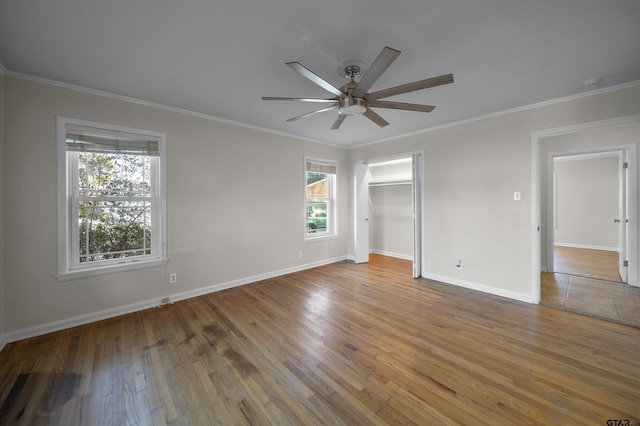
column 110, row 198
column 320, row 198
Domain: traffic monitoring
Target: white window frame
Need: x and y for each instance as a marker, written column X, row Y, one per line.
column 68, row 268
column 332, row 209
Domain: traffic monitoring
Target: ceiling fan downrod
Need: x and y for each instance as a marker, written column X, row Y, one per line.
column 351, row 105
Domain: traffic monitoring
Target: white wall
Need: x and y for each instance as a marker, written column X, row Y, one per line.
column 471, row 171
column 390, row 173
column 235, row 207
column 2, row 222
column 391, row 224
column 586, row 203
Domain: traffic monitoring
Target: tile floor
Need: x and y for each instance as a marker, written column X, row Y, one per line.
column 609, row 300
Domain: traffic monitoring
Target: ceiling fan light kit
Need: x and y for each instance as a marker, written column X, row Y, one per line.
column 353, row 99
column 351, row 106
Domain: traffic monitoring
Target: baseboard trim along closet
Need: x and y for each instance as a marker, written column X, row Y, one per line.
column 391, row 254
column 480, row 287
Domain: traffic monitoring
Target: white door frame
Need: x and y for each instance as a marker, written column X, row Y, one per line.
column 361, row 219
column 416, row 214
column 418, row 200
column 623, row 212
column 621, row 152
column 536, row 253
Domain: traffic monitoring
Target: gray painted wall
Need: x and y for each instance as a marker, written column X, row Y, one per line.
column 391, row 226
column 586, row 203
column 2, row 222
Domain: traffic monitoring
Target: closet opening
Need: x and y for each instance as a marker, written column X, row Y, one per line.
column 389, row 209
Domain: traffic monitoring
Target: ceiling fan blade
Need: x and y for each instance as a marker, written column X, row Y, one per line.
column 309, row 114
column 277, row 98
column 380, row 65
column 410, row 87
column 339, row 119
column 316, row 79
column 375, row 118
column 399, row 105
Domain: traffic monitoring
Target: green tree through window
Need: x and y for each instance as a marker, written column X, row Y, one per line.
column 114, row 204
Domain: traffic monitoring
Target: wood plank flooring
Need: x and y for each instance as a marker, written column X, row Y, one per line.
column 339, row 344
column 598, row 264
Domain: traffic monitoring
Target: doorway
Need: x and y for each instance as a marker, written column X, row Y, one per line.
column 392, row 186
column 553, row 288
column 587, row 219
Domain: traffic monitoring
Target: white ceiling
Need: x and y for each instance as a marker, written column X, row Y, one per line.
column 218, row 57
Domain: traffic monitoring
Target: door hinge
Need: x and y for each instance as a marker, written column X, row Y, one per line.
column 625, row 165
column 625, row 263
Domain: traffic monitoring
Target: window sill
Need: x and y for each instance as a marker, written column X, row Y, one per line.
column 320, row 238
column 79, row 274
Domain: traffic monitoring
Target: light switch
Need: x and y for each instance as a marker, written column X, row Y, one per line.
column 517, row 196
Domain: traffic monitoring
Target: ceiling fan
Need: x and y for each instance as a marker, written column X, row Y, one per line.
column 353, row 99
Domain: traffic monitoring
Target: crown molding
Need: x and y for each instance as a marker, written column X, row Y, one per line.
column 70, row 86
column 508, row 111
column 96, row 92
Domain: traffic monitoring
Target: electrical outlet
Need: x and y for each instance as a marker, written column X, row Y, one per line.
column 459, row 264
column 173, row 278
column 300, row 253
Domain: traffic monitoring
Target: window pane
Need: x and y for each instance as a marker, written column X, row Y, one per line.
column 317, row 185
column 320, row 202
column 114, row 229
column 317, row 216
column 114, row 175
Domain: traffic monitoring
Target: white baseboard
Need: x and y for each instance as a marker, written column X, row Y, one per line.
column 480, row 287
column 586, row 246
column 391, row 254
column 151, row 303
column 39, row 330
column 242, row 281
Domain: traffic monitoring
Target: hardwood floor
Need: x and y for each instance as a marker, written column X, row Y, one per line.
column 587, row 282
column 339, row 344
column 598, row 264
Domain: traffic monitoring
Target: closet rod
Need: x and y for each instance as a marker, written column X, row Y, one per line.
column 391, row 182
